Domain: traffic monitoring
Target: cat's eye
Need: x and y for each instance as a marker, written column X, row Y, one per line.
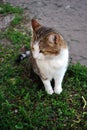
column 40, row 51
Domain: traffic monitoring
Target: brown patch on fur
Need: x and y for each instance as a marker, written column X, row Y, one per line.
column 42, row 35
column 48, row 48
column 35, row 24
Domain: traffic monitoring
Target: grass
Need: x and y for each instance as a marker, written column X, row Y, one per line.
column 7, row 8
column 17, row 20
column 25, row 105
column 17, row 37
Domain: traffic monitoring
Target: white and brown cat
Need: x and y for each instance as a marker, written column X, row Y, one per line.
column 48, row 56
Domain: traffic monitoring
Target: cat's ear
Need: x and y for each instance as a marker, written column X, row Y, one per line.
column 35, row 24
column 53, row 38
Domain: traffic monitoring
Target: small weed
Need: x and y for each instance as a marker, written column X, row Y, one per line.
column 17, row 37
column 7, row 8
column 17, row 20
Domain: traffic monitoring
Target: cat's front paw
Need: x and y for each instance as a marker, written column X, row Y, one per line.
column 58, row 90
column 50, row 92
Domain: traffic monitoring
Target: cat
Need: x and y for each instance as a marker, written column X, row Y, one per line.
column 49, row 56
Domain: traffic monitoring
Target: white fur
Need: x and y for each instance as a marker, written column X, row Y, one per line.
column 23, row 56
column 52, row 67
column 36, row 53
column 27, row 53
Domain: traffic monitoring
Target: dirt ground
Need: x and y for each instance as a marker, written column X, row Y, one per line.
column 69, row 17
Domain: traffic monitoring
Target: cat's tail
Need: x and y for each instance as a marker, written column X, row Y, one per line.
column 25, row 54
column 22, row 56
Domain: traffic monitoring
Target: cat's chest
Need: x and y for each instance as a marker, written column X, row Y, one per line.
column 48, row 68
column 53, row 66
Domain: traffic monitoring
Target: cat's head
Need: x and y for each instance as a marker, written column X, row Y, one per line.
column 45, row 41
